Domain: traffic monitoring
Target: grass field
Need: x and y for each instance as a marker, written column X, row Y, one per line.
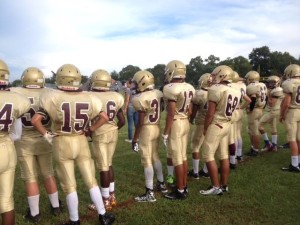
column 259, row 193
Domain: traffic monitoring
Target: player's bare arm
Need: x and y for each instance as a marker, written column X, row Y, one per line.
column 247, row 101
column 103, row 118
column 171, row 107
column 139, row 126
column 210, row 115
column 284, row 106
column 121, row 119
column 37, row 123
column 194, row 112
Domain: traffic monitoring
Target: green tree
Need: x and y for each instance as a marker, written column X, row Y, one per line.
column 260, row 58
column 194, row 70
column 211, row 63
column 127, row 72
column 279, row 61
column 16, row 83
column 114, row 75
column 158, row 72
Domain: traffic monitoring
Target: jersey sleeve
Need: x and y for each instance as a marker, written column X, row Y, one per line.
column 252, row 89
column 277, row 92
column 170, row 93
column 97, row 106
column 287, row 87
column 214, row 94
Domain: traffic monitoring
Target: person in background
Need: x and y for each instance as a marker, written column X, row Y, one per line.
column 105, row 138
column 132, row 115
column 199, row 112
column 290, row 114
column 34, row 152
column 70, row 111
column 222, row 102
column 13, row 106
column 147, row 102
column 178, row 96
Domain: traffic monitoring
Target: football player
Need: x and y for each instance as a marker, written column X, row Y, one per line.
column 178, row 94
column 147, row 102
column 275, row 96
column 105, row 137
column 33, row 151
column 290, row 114
column 257, row 91
column 222, row 101
column 235, row 138
column 12, row 107
column 198, row 114
column 70, row 110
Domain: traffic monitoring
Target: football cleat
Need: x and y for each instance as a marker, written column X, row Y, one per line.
column 107, row 204
column 239, row 158
column 161, row 186
column 70, row 222
column 170, row 180
column 57, row 210
column 286, row 145
column 232, row 166
column 203, row 174
column 212, row 191
column 112, row 199
column 291, row 168
column 224, row 188
column 186, row 190
column 193, row 175
column 30, row 218
column 252, row 153
column 176, row 195
column 147, row 197
column 107, row 219
column 267, row 147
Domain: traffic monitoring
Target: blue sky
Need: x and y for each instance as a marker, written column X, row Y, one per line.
column 111, row 34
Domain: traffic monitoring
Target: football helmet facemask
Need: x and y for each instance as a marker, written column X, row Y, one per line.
column 273, row 82
column 32, row 77
column 222, row 73
column 292, row 70
column 100, row 80
column 143, row 80
column 68, row 77
column 252, row 77
column 174, row 69
column 4, row 73
column 204, row 81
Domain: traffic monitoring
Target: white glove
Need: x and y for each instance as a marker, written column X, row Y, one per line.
column 48, row 136
column 165, row 139
column 135, row 147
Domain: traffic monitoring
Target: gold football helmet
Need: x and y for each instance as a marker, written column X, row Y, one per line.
column 292, row 70
column 273, row 82
column 204, row 81
column 174, row 69
column 100, row 80
column 252, row 77
column 68, row 77
column 4, row 73
column 144, row 80
column 222, row 73
column 235, row 77
column 32, row 77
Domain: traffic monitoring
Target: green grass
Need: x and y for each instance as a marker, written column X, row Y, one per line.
column 259, row 193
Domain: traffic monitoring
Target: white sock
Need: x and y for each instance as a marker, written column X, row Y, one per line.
column 105, row 192
column 196, row 165
column 149, row 173
column 239, row 147
column 96, row 197
column 158, row 169
column 72, row 203
column 265, row 136
column 170, row 170
column 205, row 168
column 274, row 139
column 232, row 159
column 33, row 202
column 295, row 161
column 112, row 187
column 54, row 199
column 299, row 159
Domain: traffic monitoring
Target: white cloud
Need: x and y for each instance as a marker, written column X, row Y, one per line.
column 112, row 34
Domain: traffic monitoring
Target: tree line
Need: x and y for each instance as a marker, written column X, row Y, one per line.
column 260, row 59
